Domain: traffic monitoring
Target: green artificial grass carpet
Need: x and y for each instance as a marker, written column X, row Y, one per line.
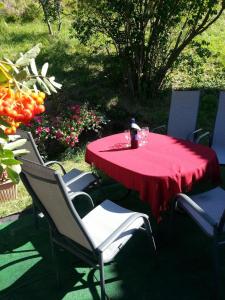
column 182, row 271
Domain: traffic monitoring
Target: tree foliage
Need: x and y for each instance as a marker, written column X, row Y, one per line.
column 148, row 35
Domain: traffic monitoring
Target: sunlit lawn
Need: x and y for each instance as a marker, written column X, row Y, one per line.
column 23, row 200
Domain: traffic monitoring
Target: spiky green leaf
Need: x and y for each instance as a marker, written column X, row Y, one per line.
column 43, row 85
column 33, row 66
column 25, row 58
column 44, row 69
column 16, row 144
column 7, row 154
column 55, row 84
column 19, row 152
column 50, row 86
column 11, row 162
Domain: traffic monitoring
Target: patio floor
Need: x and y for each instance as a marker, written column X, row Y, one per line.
column 183, row 270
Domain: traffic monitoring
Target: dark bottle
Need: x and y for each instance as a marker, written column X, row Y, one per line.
column 134, row 134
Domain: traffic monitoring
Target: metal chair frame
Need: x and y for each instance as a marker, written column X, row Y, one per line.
column 87, row 179
column 92, row 256
column 218, row 234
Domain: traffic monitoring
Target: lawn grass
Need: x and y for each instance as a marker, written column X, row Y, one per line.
column 24, row 201
column 83, row 78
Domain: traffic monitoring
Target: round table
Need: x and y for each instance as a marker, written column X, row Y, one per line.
column 158, row 170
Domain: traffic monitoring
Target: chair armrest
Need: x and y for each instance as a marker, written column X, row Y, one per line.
column 196, row 207
column 87, row 203
column 192, row 136
column 159, row 128
column 49, row 163
column 119, row 230
column 205, row 134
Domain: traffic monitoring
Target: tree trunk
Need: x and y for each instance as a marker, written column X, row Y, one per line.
column 58, row 13
column 46, row 17
column 49, row 27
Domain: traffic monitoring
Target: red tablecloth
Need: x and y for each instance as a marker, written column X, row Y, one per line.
column 158, row 170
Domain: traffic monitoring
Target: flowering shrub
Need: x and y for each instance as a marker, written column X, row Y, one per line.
column 66, row 127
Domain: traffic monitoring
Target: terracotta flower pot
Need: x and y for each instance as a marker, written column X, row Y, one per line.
column 8, row 191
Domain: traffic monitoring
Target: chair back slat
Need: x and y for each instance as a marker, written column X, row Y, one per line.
column 219, row 128
column 49, row 188
column 183, row 113
column 30, row 145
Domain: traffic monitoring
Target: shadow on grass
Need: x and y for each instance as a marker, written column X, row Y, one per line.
column 183, row 271
column 85, row 77
column 18, row 37
column 27, row 270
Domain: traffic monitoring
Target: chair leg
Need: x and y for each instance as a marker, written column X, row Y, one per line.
column 171, row 217
column 102, row 279
column 216, row 269
column 35, row 214
column 54, row 259
column 150, row 233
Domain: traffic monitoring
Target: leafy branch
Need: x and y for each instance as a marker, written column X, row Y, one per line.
column 23, row 74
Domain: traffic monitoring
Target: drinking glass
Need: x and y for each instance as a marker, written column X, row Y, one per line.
column 144, row 133
column 140, row 137
column 127, row 137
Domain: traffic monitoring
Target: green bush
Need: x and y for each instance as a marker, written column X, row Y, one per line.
column 31, row 12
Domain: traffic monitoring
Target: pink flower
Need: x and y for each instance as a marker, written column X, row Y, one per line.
column 39, row 130
column 72, row 144
column 47, row 129
column 58, row 134
column 67, row 140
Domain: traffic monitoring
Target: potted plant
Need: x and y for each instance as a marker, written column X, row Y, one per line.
column 10, row 148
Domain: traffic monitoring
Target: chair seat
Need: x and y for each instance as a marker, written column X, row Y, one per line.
column 78, row 182
column 103, row 220
column 212, row 203
column 70, row 175
column 220, row 152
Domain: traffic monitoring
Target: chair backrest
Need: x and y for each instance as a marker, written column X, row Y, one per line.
column 49, row 189
column 34, row 154
column 183, row 113
column 219, row 128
